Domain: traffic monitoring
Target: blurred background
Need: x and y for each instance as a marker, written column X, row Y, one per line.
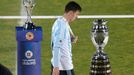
column 121, row 31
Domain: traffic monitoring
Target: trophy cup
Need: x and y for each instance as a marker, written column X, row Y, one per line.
column 29, row 5
column 100, row 64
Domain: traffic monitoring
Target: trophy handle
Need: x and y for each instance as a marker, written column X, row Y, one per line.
column 93, row 40
column 105, row 41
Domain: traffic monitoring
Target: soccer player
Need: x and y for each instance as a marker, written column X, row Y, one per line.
column 62, row 37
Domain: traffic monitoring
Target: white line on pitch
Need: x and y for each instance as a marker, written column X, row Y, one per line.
column 81, row 17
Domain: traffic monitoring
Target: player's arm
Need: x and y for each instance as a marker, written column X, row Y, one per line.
column 57, row 47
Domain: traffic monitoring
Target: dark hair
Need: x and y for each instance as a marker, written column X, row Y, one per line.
column 72, row 6
column 4, row 70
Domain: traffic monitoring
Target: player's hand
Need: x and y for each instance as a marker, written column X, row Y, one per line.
column 55, row 71
column 74, row 39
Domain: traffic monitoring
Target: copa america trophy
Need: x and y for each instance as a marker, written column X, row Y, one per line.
column 29, row 5
column 100, row 64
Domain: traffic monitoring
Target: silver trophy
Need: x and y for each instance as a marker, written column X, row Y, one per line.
column 29, row 5
column 100, row 64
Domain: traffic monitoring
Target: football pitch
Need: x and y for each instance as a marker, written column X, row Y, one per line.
column 121, row 34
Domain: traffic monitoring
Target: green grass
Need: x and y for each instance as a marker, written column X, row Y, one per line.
column 119, row 48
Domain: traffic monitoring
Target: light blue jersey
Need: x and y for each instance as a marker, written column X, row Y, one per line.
column 61, row 45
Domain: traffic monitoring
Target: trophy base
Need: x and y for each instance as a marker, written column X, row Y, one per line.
column 29, row 26
column 100, row 64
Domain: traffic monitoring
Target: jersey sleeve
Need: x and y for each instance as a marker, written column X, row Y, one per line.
column 59, row 38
